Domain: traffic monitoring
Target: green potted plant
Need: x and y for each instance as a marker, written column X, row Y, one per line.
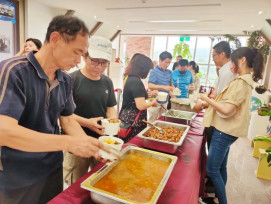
column 265, row 110
column 255, row 40
column 182, row 48
column 232, row 40
column 268, row 154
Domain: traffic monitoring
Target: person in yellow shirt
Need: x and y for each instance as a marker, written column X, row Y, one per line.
column 229, row 114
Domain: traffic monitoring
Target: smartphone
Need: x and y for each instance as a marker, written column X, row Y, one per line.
column 205, row 89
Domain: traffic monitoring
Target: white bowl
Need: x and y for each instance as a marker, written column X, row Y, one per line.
column 110, row 128
column 162, row 96
column 176, row 92
column 117, row 147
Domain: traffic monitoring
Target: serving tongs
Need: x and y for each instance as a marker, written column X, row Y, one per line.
column 149, row 123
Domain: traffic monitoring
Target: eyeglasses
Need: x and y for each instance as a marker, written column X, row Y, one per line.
column 97, row 62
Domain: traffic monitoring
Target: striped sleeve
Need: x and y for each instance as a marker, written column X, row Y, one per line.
column 12, row 97
column 69, row 106
column 152, row 78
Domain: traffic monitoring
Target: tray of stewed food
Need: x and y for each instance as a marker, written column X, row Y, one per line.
column 138, row 176
column 179, row 116
column 168, row 140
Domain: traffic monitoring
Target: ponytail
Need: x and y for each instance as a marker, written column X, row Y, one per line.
column 254, row 60
column 258, row 66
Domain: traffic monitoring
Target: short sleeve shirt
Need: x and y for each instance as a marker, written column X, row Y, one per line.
column 28, row 96
column 237, row 93
column 159, row 76
column 134, row 88
column 92, row 97
column 184, row 81
column 225, row 77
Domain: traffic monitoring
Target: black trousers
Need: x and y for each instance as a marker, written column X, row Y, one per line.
column 38, row 193
column 209, row 133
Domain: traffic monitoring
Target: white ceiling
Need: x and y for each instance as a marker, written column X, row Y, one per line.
column 216, row 17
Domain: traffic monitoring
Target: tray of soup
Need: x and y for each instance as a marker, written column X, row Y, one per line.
column 171, row 137
column 178, row 116
column 138, row 176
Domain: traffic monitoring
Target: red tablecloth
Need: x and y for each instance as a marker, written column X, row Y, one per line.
column 183, row 186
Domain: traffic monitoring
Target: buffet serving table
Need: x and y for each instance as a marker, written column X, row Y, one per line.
column 186, row 180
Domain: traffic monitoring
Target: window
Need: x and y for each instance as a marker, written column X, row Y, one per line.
column 192, row 44
column 203, row 50
column 200, row 49
column 212, row 75
column 160, row 44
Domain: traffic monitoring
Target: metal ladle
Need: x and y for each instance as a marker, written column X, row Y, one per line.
column 149, row 123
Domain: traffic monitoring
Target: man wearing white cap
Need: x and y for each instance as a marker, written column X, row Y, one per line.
column 93, row 94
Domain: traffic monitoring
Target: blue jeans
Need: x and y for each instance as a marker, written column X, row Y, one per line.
column 217, row 162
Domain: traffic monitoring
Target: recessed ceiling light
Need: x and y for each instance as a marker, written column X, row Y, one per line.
column 117, row 26
column 95, row 17
column 252, row 26
column 260, row 12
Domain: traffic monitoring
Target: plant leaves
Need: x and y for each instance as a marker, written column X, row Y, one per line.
column 183, row 49
column 269, row 158
column 261, row 158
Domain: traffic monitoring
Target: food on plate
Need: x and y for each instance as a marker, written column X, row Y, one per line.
column 135, row 177
column 110, row 141
column 170, row 134
column 113, row 120
column 176, row 92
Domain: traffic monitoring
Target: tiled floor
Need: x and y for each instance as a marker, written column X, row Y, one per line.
column 243, row 187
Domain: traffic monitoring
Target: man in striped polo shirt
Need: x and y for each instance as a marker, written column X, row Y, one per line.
column 160, row 79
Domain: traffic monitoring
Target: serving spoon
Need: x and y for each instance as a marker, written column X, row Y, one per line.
column 149, row 123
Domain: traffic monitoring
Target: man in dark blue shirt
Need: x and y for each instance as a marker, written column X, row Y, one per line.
column 34, row 94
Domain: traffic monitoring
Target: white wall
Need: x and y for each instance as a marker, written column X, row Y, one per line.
column 38, row 17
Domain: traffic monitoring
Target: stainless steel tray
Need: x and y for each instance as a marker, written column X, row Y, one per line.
column 101, row 196
column 181, row 104
column 162, row 145
column 173, row 114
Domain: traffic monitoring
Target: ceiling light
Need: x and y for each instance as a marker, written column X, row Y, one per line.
column 260, row 12
column 117, row 26
column 95, row 17
column 252, row 26
column 173, row 21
